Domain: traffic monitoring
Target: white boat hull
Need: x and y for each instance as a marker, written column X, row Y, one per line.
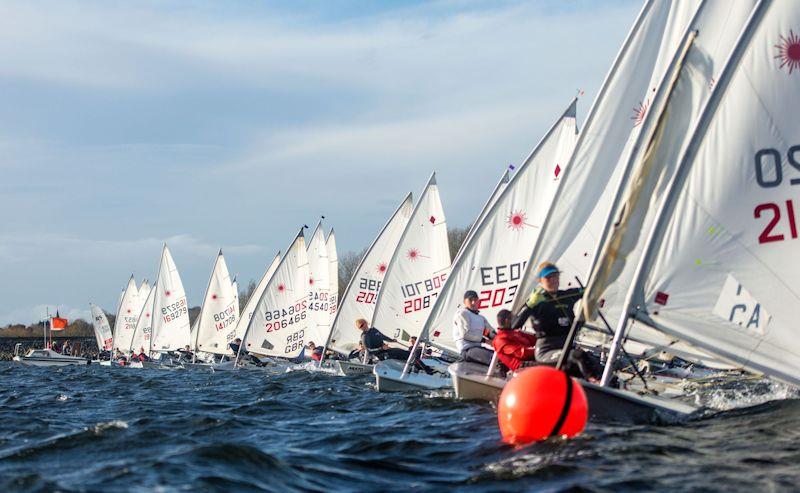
column 471, row 383
column 350, row 368
column 49, row 357
column 389, row 377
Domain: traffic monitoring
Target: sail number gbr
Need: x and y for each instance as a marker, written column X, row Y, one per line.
column 368, row 291
column 780, row 216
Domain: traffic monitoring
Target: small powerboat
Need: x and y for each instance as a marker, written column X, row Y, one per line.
column 47, row 357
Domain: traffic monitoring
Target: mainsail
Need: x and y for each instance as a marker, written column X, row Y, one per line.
column 219, row 312
column 361, row 293
column 417, row 271
column 588, row 185
column 144, row 292
column 333, row 275
column 252, row 301
column 144, row 325
column 719, row 268
column 127, row 314
column 318, row 287
column 102, row 329
column 493, row 258
column 170, row 311
column 280, row 320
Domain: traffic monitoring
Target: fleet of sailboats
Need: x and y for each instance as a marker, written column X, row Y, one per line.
column 673, row 205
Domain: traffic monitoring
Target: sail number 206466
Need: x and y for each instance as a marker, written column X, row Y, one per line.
column 780, row 216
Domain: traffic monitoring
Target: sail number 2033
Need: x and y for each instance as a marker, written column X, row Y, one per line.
column 780, row 216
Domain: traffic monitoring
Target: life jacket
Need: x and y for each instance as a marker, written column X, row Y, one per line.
column 513, row 347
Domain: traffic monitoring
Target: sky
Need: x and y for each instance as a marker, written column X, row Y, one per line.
column 208, row 125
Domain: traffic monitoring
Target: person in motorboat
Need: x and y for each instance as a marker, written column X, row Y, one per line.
column 374, row 341
column 514, row 348
column 552, row 312
column 66, row 349
column 470, row 330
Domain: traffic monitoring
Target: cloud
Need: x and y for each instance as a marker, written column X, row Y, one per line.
column 230, row 124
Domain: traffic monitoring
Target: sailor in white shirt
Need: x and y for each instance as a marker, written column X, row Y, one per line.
column 470, row 328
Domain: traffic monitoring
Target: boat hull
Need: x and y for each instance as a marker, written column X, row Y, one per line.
column 65, row 361
column 471, row 383
column 350, row 368
column 389, row 377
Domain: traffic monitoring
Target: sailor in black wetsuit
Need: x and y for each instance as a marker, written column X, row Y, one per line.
column 244, row 353
column 552, row 312
column 374, row 343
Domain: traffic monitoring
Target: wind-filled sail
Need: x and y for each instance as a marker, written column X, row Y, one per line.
column 675, row 110
column 279, row 324
column 333, row 275
column 219, row 312
column 252, row 301
column 144, row 326
column 144, row 292
column 361, row 293
column 318, row 287
column 102, row 329
column 589, row 183
column 170, row 310
column 128, row 313
column 721, row 266
column 493, row 258
column 418, row 270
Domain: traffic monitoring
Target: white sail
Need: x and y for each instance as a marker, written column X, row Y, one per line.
column 498, row 189
column 361, row 293
column 418, row 270
column 219, row 312
column 235, row 289
column 127, row 314
column 333, row 275
column 588, row 185
column 144, row 292
column 493, row 258
column 675, row 109
column 280, row 320
column 720, row 267
column 318, row 287
column 102, row 329
column 252, row 301
column 170, row 309
column 144, row 325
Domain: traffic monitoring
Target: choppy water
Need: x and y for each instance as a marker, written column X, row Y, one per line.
column 101, row 429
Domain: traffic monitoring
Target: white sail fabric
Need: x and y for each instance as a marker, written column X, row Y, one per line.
column 144, row 292
column 127, row 314
column 219, row 312
column 318, row 286
column 720, row 270
column 170, row 309
column 235, row 288
column 361, row 293
column 333, row 275
column 102, row 329
column 675, row 109
column 498, row 189
column 252, row 301
column 570, row 234
column 418, row 270
column 493, row 258
column 144, row 325
column 280, row 320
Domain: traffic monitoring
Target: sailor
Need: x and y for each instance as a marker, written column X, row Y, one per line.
column 418, row 363
column 514, row 348
column 120, row 358
column 316, row 352
column 142, row 356
column 185, row 353
column 374, row 342
column 470, row 329
column 244, row 354
column 551, row 310
column 357, row 354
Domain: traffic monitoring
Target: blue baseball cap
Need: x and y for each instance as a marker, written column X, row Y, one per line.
column 546, row 271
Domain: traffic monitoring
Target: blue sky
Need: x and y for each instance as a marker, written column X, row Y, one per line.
column 230, row 124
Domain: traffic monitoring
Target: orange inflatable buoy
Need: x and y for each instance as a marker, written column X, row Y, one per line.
column 539, row 403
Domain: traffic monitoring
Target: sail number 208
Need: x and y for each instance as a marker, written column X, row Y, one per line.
column 769, row 174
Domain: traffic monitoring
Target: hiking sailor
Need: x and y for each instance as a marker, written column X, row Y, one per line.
column 470, row 329
column 375, row 343
column 551, row 310
column 514, row 348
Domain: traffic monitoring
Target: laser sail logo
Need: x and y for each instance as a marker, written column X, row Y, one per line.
column 789, row 52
